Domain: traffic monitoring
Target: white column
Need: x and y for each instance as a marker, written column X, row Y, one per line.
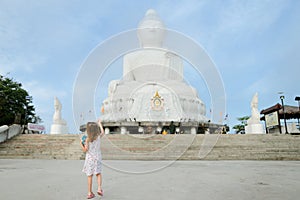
column 106, row 131
column 123, row 130
column 193, row 131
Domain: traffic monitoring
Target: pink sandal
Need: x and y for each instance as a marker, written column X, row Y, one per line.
column 100, row 192
column 90, row 196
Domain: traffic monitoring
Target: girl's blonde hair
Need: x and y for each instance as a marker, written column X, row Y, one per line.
column 93, row 131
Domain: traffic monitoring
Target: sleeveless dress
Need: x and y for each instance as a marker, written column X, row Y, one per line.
column 93, row 158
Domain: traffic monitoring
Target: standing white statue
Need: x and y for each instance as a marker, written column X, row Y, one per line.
column 57, row 114
column 253, row 123
column 59, row 125
column 255, row 117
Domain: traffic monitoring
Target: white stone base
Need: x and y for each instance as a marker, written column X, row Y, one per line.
column 255, row 129
column 106, row 131
column 123, row 130
column 193, row 131
column 59, row 129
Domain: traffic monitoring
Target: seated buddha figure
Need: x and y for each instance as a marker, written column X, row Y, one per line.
column 152, row 63
column 152, row 70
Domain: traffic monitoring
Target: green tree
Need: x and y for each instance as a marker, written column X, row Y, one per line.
column 240, row 128
column 15, row 103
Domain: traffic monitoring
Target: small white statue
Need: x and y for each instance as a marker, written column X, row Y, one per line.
column 59, row 125
column 255, row 116
column 253, row 124
column 57, row 113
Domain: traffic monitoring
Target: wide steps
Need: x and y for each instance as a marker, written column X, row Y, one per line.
column 158, row 147
column 37, row 146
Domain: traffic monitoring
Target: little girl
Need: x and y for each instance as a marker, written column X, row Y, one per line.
column 93, row 158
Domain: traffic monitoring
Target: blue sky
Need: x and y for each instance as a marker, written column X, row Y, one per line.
column 254, row 44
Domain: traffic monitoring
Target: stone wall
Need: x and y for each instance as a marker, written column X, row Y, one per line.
column 12, row 131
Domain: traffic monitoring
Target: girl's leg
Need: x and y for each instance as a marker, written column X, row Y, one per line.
column 99, row 180
column 90, row 179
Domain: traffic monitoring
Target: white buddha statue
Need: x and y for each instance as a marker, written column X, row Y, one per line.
column 152, row 63
column 152, row 88
column 59, row 126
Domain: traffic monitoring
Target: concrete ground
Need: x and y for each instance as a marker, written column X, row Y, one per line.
column 143, row 180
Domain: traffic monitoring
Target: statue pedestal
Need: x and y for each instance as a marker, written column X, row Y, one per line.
column 59, row 129
column 193, row 131
column 254, row 129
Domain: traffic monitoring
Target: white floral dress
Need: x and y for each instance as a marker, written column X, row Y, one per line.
column 93, row 158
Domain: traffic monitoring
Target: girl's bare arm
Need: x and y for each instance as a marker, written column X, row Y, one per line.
column 101, row 128
column 84, row 147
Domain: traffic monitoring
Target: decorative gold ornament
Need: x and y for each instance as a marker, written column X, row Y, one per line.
column 157, row 102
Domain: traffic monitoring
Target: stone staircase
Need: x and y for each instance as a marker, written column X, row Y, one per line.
column 158, row 147
column 38, row 146
column 248, row 147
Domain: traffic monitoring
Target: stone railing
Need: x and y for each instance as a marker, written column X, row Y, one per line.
column 7, row 132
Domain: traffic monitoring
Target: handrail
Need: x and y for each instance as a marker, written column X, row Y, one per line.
column 7, row 132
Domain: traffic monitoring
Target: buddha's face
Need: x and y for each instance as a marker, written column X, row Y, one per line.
column 151, row 33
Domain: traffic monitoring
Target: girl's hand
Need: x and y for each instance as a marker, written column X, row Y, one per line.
column 101, row 127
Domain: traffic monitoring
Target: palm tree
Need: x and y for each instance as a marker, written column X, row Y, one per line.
column 240, row 128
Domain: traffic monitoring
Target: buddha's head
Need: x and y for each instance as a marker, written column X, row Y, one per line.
column 151, row 30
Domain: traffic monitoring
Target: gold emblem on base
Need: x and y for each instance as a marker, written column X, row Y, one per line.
column 157, row 102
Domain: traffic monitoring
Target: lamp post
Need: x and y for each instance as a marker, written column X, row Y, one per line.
column 298, row 99
column 28, row 100
column 282, row 98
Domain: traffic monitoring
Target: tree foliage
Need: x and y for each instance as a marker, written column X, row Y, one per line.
column 15, row 103
column 239, row 128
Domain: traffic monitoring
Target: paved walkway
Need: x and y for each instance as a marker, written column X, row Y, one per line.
column 143, row 180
